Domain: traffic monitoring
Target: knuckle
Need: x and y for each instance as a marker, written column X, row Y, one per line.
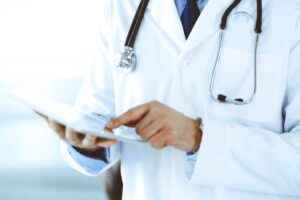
column 154, row 103
column 72, row 136
column 158, row 112
column 143, row 136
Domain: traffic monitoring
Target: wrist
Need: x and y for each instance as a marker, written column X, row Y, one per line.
column 198, row 134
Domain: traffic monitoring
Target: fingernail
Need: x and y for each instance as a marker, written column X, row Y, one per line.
column 107, row 143
column 86, row 143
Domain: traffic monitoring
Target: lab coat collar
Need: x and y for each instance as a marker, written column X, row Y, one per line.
column 210, row 19
column 207, row 24
column 165, row 14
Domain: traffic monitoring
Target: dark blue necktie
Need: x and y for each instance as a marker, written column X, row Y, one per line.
column 189, row 16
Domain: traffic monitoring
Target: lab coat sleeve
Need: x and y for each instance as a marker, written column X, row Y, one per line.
column 251, row 158
column 86, row 165
column 96, row 96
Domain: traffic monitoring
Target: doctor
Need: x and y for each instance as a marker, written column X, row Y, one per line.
column 218, row 106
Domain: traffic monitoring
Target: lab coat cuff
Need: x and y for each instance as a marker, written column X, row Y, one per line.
column 210, row 153
column 87, row 165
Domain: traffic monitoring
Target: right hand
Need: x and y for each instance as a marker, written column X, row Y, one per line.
column 85, row 142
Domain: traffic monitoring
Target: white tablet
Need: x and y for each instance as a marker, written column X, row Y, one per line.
column 80, row 121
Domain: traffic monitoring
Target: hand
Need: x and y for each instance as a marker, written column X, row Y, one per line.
column 87, row 143
column 161, row 126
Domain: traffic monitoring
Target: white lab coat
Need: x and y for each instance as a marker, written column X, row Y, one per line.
column 248, row 152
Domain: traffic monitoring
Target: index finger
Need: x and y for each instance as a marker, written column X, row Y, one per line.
column 131, row 117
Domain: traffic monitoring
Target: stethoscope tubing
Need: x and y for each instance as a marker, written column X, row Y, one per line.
column 258, row 29
column 135, row 26
column 130, row 59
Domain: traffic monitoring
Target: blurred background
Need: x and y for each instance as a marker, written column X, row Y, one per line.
column 45, row 48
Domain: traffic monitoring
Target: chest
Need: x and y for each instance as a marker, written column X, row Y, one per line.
column 179, row 73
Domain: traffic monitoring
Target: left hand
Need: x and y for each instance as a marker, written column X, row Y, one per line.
column 161, row 126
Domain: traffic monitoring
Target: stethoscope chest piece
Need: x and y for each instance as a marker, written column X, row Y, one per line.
column 126, row 60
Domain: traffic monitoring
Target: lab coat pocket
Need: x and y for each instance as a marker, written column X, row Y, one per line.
column 235, row 78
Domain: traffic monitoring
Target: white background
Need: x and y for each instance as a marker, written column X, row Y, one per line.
column 45, row 48
column 46, row 38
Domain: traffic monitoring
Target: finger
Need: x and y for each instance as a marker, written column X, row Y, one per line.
column 132, row 115
column 107, row 130
column 158, row 141
column 58, row 128
column 89, row 141
column 73, row 137
column 149, row 131
column 146, row 121
column 104, row 143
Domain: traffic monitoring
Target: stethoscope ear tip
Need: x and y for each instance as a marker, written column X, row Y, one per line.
column 223, row 99
column 239, row 100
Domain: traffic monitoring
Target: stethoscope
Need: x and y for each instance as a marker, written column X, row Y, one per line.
column 126, row 60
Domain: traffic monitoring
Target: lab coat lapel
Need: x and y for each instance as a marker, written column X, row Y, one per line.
column 207, row 24
column 165, row 14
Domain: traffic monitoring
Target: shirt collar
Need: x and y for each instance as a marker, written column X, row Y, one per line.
column 180, row 4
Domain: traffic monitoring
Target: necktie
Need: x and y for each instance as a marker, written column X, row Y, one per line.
column 189, row 16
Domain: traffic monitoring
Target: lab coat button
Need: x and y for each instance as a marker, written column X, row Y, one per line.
column 184, row 63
